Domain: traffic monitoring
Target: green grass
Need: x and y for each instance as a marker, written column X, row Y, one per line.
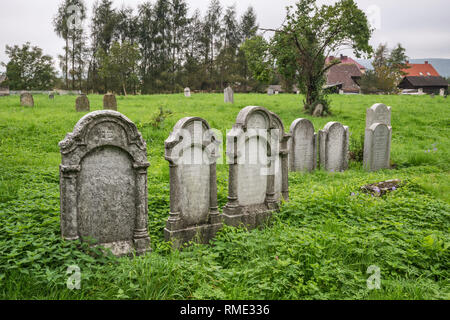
column 318, row 247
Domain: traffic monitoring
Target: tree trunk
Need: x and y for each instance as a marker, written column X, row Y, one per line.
column 67, row 62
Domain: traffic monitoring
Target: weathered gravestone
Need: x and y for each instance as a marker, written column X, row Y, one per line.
column 26, row 100
column 333, row 147
column 377, row 147
column 192, row 150
column 318, row 110
column 258, row 167
column 187, row 92
column 442, row 92
column 103, row 184
column 303, row 146
column 420, row 91
column 341, row 91
column 109, row 102
column 51, row 96
column 228, row 95
column 378, row 113
column 82, row 103
column 276, row 92
column 270, row 91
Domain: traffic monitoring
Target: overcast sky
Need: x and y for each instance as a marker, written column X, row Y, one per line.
column 422, row 27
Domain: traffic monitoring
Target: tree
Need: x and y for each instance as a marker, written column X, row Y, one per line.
column 120, row 65
column 29, row 69
column 309, row 35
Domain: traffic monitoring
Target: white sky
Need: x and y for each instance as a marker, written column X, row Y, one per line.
column 422, row 27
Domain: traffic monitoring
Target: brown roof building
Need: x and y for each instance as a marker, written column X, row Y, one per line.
column 345, row 74
column 430, row 84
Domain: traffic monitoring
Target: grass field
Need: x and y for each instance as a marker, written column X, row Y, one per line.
column 319, row 246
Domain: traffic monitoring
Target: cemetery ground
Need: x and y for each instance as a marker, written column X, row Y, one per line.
column 319, row 246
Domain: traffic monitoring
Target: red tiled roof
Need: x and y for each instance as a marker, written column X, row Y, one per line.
column 345, row 59
column 420, row 70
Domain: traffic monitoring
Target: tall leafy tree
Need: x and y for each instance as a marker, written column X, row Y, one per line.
column 28, row 68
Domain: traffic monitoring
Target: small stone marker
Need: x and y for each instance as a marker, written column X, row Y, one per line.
column 51, row 96
column 318, row 110
column 276, row 92
column 432, row 95
column 258, row 167
column 333, row 147
column 109, row 102
column 26, row 100
column 192, row 150
column 442, row 92
column 377, row 147
column 420, row 91
column 103, row 184
column 303, row 146
column 228, row 95
column 270, row 91
column 298, row 91
column 378, row 113
column 82, row 103
column 187, row 92
column 341, row 91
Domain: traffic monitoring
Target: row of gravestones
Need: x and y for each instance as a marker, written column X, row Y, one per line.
column 228, row 94
column 81, row 103
column 103, row 175
column 332, row 143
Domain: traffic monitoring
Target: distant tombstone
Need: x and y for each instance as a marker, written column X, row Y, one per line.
column 420, row 91
column 377, row 146
column 442, row 92
column 103, row 184
column 333, row 147
column 51, row 96
column 341, row 91
column 432, row 95
column 228, row 95
column 318, row 110
column 192, row 150
column 298, row 91
column 378, row 113
column 109, row 102
column 276, row 91
column 187, row 92
column 82, row 103
column 303, row 146
column 258, row 167
column 270, row 91
column 26, row 100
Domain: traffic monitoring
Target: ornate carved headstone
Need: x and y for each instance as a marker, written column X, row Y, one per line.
column 228, row 95
column 303, row 146
column 192, row 150
column 187, row 92
column 26, row 100
column 378, row 113
column 333, row 147
column 258, row 167
column 109, row 102
column 82, row 103
column 103, row 184
column 377, row 147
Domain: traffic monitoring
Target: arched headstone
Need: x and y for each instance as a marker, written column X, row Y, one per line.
column 303, row 146
column 378, row 113
column 109, row 102
column 377, row 147
column 333, row 147
column 228, row 95
column 82, row 103
column 187, row 92
column 192, row 150
column 103, row 183
column 258, row 167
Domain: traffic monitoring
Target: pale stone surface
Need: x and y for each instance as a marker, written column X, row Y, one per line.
column 341, row 91
column 333, row 147
column 51, row 96
column 192, row 150
column 303, row 146
column 103, row 184
column 26, row 100
column 228, row 95
column 82, row 104
column 270, row 91
column 109, row 102
column 442, row 92
column 276, row 92
column 258, row 167
column 318, row 110
column 377, row 146
column 187, row 92
column 378, row 113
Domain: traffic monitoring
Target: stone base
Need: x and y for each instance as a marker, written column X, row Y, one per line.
column 249, row 216
column 127, row 247
column 200, row 234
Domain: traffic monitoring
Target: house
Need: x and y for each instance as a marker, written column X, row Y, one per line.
column 4, row 89
column 344, row 76
column 274, row 88
column 429, row 84
column 346, row 60
column 420, row 70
